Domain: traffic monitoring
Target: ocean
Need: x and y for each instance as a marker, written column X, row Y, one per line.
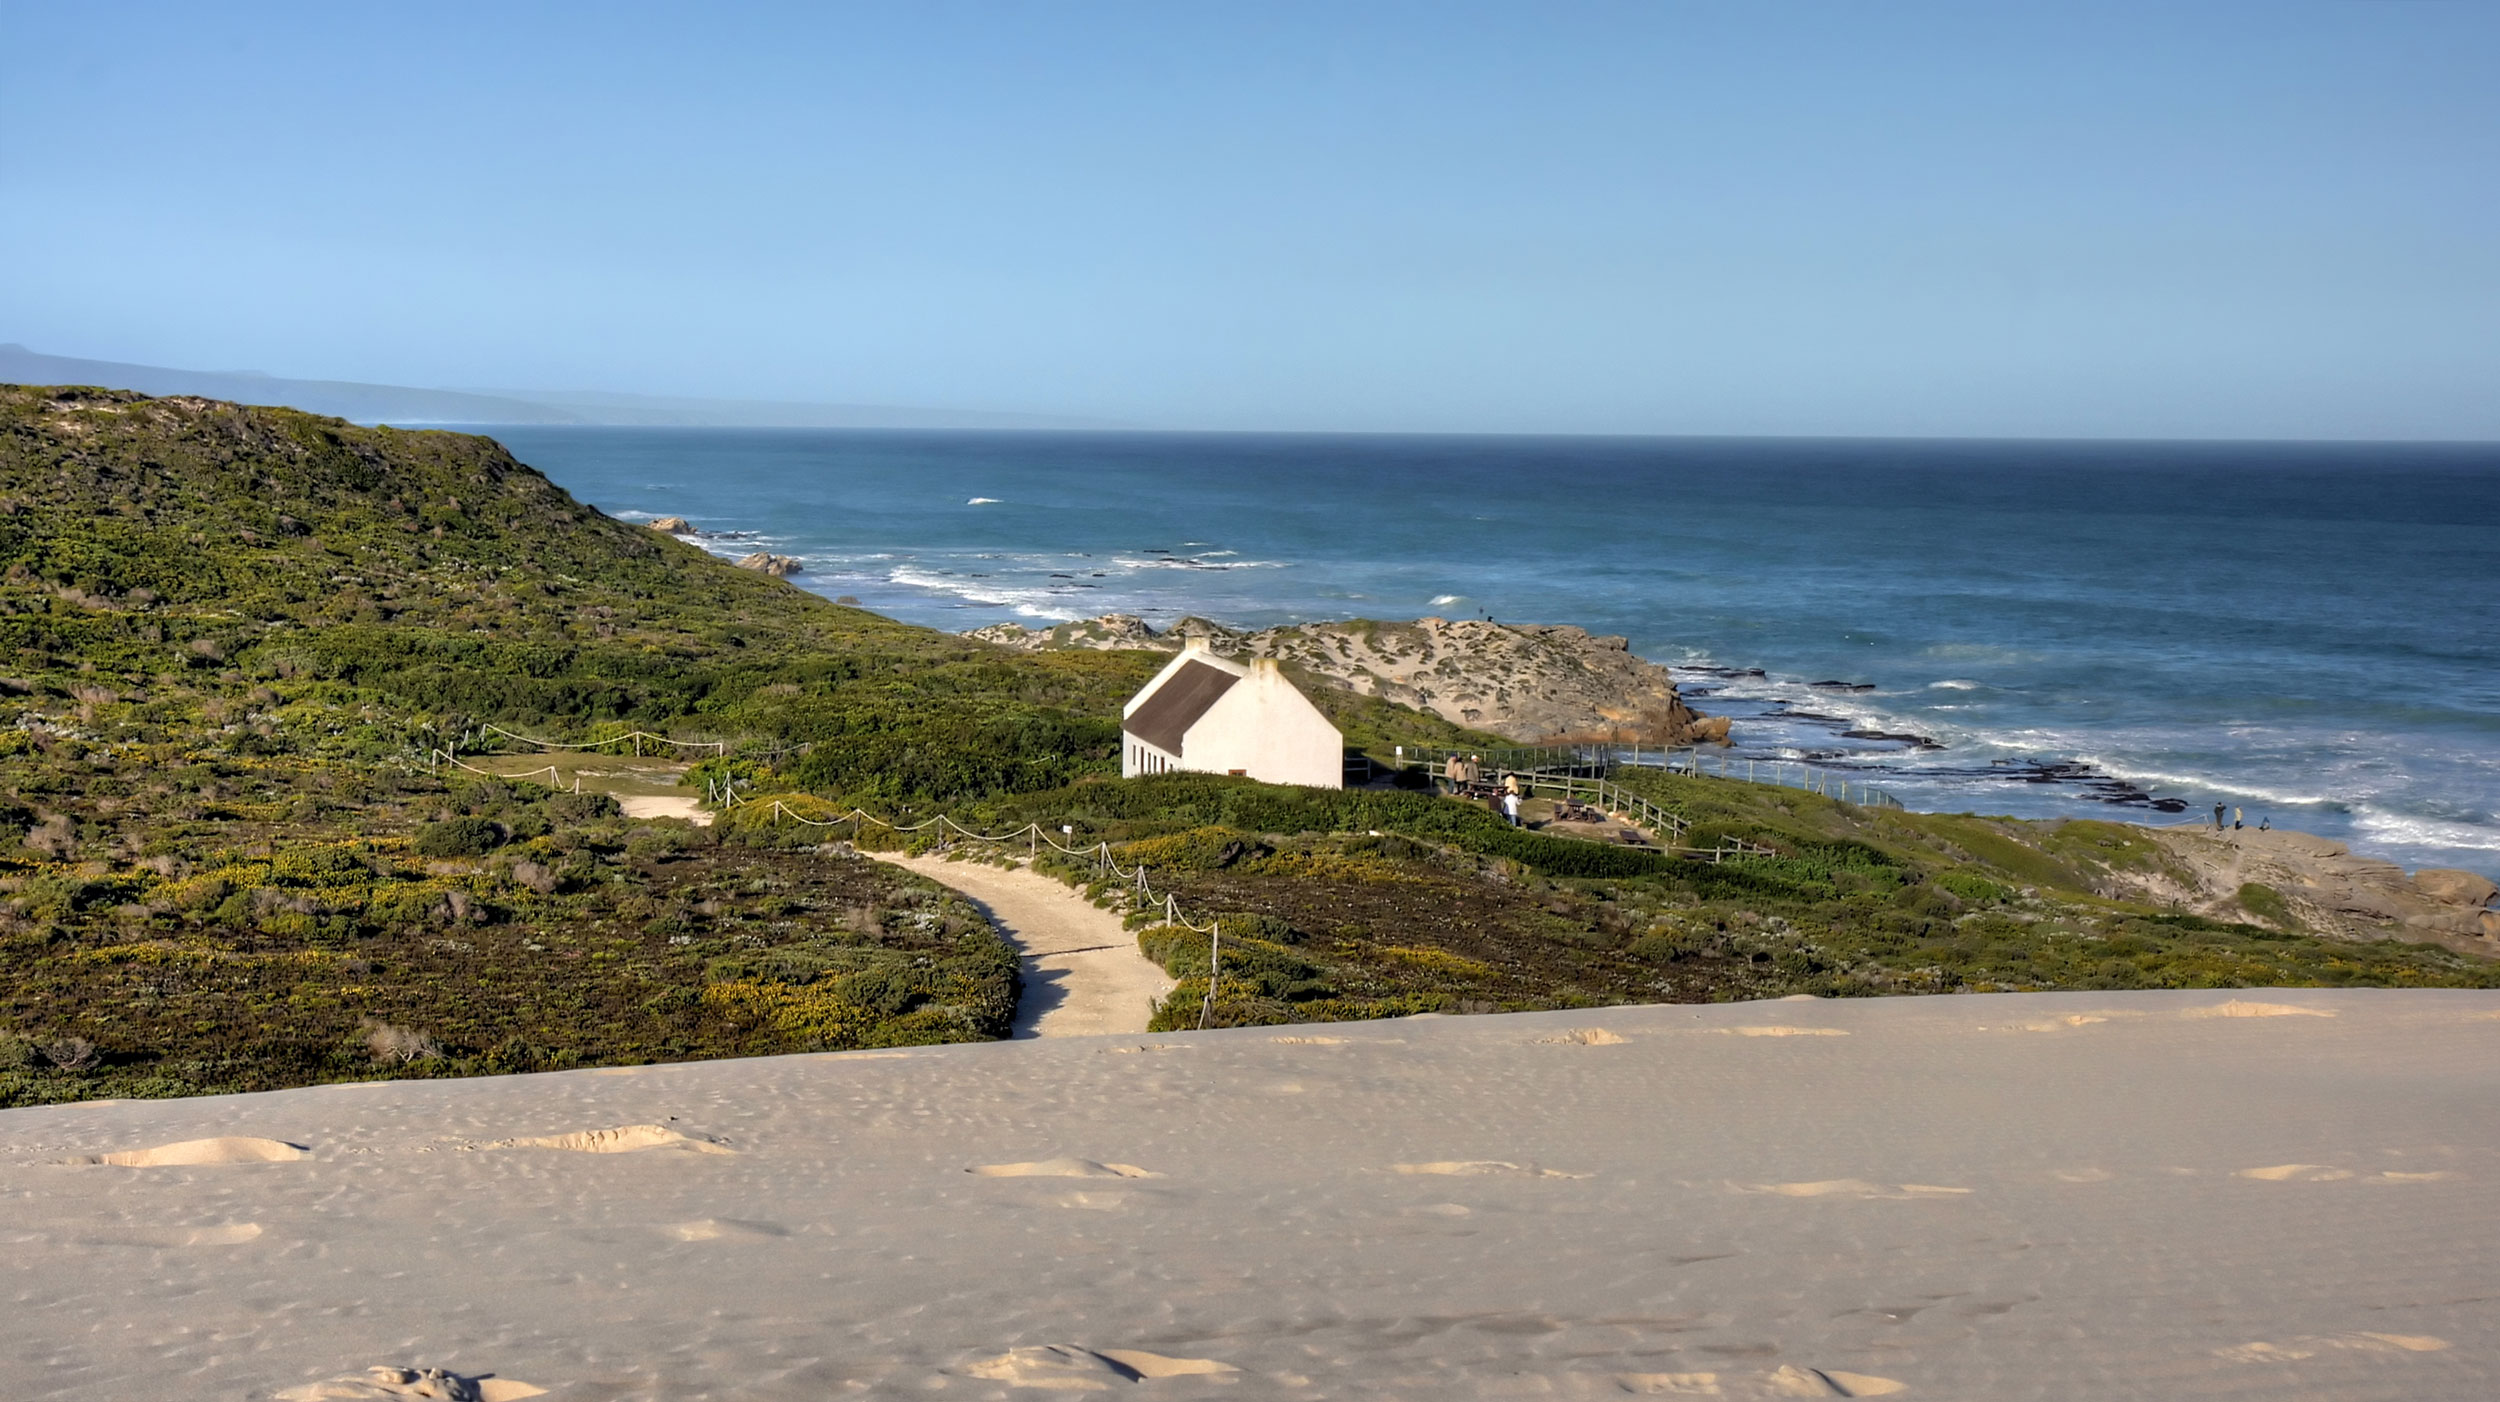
column 2308, row 632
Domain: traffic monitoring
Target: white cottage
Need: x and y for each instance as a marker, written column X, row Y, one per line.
column 1218, row 716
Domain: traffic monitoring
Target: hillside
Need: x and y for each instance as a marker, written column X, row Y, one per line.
column 230, row 638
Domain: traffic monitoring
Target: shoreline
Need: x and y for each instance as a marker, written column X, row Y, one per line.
column 1837, row 723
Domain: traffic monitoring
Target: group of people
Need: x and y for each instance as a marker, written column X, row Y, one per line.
column 1465, row 775
column 2239, row 819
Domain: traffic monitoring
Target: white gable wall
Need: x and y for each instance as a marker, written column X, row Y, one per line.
column 1267, row 728
column 1263, row 726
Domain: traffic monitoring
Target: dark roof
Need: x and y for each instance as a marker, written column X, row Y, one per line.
column 1177, row 704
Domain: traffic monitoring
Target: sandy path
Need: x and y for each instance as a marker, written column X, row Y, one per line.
column 1083, row 976
column 664, row 806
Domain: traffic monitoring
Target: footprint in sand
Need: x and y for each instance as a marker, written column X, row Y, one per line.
column 1061, row 1168
column 1068, row 1368
column 1851, row 1188
column 1583, row 1037
column 2061, row 1024
column 1777, row 1031
column 413, row 1382
column 2295, row 1173
column 1308, row 1041
column 229, row 1234
column 625, row 1139
column 2325, row 1173
column 1471, row 1168
column 2241, row 1008
column 1788, row 1381
column 721, row 1229
column 2311, row 1345
column 2081, row 1175
column 204, row 1151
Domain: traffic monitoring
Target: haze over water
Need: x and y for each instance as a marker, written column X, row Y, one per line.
column 2310, row 632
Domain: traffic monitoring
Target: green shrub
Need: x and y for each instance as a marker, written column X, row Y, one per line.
column 458, row 837
column 321, row 866
column 1974, row 888
column 2267, row 904
column 574, row 809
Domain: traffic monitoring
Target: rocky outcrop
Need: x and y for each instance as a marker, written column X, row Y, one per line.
column 673, row 525
column 1531, row 682
column 775, row 565
column 2300, row 880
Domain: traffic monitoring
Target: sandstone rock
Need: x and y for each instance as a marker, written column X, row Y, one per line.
column 2453, row 887
column 771, row 564
column 2448, row 922
column 2490, row 921
column 1530, row 682
column 673, row 525
column 1112, row 630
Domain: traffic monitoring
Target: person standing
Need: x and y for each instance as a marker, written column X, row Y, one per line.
column 2218, row 817
column 1510, row 806
column 2239, row 819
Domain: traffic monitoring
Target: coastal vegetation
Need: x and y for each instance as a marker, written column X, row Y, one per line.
column 236, row 644
column 1374, row 904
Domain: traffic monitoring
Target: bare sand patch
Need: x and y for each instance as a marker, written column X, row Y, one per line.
column 1158, row 1365
column 1308, row 1041
column 1584, row 1037
column 677, row 806
column 226, row 1234
column 722, row 1229
column 1475, row 1168
column 1061, row 1168
column 2296, row 1173
column 1787, row 1381
column 2309, row 1346
column 1774, row 1030
column 1851, row 1188
column 1069, row 1368
column 231, row 1149
column 624, row 1139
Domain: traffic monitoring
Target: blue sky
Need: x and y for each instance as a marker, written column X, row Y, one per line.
column 2267, row 220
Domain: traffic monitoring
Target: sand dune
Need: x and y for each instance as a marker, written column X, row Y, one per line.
column 2161, row 1205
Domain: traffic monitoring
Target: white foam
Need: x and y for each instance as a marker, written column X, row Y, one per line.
column 2393, row 829
column 1442, row 601
column 983, row 501
column 1953, row 684
column 1029, row 603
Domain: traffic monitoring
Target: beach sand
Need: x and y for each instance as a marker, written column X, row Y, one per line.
column 2291, row 1193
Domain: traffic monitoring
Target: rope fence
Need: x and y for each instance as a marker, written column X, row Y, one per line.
column 447, row 757
column 636, row 737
